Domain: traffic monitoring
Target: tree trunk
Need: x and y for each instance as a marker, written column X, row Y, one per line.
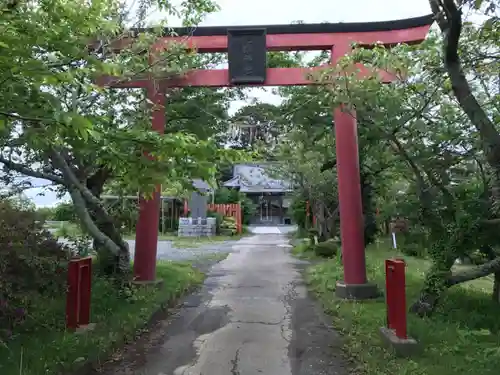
column 449, row 19
column 436, row 278
column 109, row 263
column 496, row 288
column 434, row 286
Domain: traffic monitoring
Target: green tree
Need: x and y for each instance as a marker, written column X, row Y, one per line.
column 64, row 212
column 427, row 143
column 225, row 195
column 78, row 135
column 439, row 142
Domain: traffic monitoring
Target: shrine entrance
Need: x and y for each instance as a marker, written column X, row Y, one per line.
column 270, row 210
column 247, row 49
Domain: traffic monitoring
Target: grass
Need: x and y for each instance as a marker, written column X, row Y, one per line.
column 66, row 229
column 302, row 251
column 46, row 348
column 462, row 337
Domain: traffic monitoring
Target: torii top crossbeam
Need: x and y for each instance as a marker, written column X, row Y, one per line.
column 296, row 37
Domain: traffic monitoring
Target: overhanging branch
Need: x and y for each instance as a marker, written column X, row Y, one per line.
column 474, row 273
column 30, row 172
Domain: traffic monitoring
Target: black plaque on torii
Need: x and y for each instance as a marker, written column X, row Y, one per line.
column 247, row 55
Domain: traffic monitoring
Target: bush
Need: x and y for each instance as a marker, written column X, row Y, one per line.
column 413, row 249
column 32, row 264
column 327, row 249
column 64, row 212
column 303, row 250
column 68, row 230
column 225, row 196
column 412, row 243
column 228, row 226
column 312, row 233
column 298, row 210
column 218, row 220
column 477, row 257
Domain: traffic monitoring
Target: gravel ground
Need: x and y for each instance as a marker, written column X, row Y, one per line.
column 166, row 250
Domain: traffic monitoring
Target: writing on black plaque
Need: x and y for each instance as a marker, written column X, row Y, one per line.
column 247, row 56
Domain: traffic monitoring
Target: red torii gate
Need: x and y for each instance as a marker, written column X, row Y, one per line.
column 250, row 71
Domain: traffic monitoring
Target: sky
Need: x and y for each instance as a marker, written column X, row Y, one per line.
column 269, row 12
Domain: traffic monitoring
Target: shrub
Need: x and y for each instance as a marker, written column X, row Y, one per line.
column 64, row 212
column 226, row 195
column 32, row 264
column 413, row 249
column 303, row 249
column 68, row 230
column 478, row 257
column 298, row 210
column 218, row 220
column 412, row 243
column 327, row 249
column 228, row 226
column 312, row 233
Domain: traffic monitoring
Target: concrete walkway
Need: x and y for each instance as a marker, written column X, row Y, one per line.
column 252, row 317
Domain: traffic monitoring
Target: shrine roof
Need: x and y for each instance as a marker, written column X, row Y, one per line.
column 201, row 185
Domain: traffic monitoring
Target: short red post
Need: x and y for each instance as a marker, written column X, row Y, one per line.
column 395, row 285
column 78, row 293
column 395, row 334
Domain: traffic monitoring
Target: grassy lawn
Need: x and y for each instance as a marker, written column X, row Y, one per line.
column 463, row 337
column 45, row 347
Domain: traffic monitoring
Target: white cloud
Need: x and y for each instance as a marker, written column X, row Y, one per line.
column 269, row 12
column 41, row 195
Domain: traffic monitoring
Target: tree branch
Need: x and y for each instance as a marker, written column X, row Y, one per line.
column 30, row 172
column 83, row 214
column 92, row 200
column 80, row 194
column 71, row 179
column 474, row 273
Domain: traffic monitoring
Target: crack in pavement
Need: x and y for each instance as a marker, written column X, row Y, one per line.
column 235, row 362
column 258, row 322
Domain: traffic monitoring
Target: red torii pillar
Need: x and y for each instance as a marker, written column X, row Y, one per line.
column 338, row 38
column 146, row 229
column 354, row 285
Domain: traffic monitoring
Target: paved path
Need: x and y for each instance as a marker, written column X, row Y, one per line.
column 252, row 317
